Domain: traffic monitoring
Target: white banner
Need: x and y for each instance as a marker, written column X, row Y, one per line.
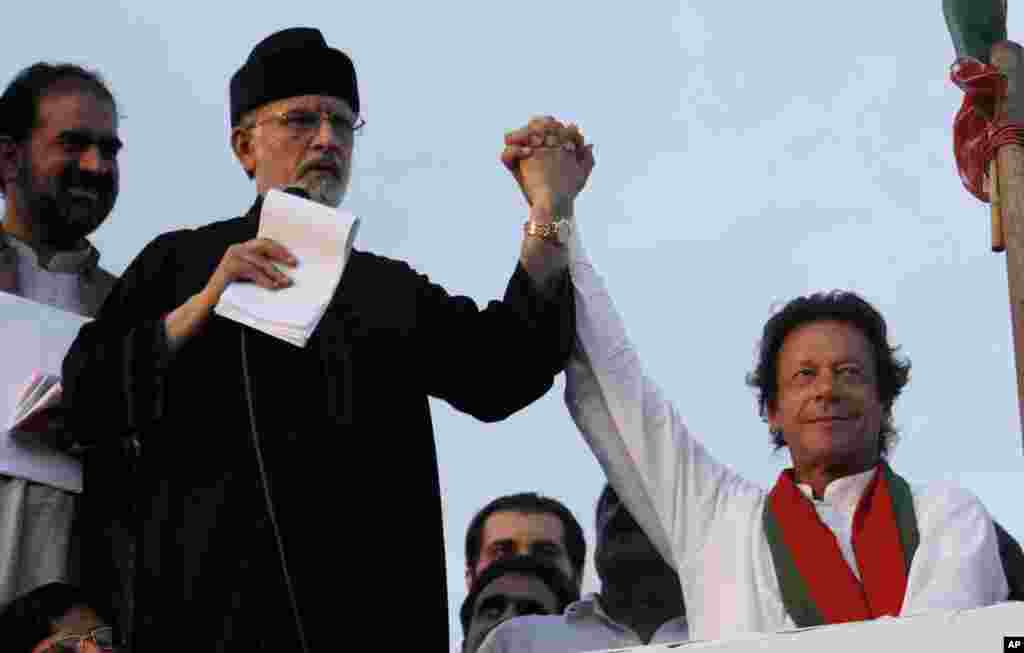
column 981, row 629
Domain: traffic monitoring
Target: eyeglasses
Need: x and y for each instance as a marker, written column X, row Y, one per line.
column 101, row 638
column 302, row 122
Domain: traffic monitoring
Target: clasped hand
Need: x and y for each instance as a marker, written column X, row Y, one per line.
column 550, row 161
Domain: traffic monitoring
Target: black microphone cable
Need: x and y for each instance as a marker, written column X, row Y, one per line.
column 289, row 585
column 266, row 495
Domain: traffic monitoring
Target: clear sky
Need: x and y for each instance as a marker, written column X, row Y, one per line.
column 746, row 153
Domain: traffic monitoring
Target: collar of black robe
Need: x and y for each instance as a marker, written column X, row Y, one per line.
column 254, row 211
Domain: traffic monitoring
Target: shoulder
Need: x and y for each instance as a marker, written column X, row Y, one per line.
column 939, row 501
column 215, row 234
column 231, row 230
column 368, row 277
column 383, row 268
column 942, row 491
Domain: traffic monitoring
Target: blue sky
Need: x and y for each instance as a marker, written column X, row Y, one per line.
column 745, row 154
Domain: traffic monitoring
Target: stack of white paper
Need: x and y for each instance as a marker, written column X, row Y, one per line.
column 42, row 392
column 35, row 339
column 321, row 240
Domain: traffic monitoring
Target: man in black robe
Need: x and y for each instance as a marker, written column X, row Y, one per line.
column 298, row 543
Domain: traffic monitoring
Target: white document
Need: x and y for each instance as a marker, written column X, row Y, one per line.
column 33, row 341
column 321, row 240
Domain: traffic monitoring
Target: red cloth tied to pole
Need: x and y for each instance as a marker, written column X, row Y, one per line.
column 976, row 138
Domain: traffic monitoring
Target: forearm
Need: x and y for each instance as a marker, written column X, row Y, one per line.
column 544, row 260
column 667, row 479
column 187, row 320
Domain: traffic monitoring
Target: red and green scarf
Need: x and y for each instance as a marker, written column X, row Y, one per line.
column 818, row 586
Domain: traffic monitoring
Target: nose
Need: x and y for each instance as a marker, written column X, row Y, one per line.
column 825, row 385
column 327, row 138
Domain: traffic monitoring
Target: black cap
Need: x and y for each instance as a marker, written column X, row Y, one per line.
column 294, row 61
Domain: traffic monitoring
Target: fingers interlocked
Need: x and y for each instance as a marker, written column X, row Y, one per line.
column 542, row 132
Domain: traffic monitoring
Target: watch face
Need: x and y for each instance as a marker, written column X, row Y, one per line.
column 564, row 228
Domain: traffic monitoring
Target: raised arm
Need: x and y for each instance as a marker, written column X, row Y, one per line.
column 667, row 479
column 492, row 362
column 551, row 163
column 669, row 482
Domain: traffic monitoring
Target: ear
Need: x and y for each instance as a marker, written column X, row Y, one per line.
column 469, row 579
column 771, row 414
column 10, row 157
column 244, row 148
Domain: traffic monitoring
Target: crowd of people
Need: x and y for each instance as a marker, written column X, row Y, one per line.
column 220, row 542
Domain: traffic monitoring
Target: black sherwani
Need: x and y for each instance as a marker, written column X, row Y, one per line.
column 345, row 429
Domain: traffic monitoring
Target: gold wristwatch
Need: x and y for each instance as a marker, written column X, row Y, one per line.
column 557, row 232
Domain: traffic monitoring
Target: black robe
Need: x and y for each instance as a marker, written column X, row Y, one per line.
column 345, row 431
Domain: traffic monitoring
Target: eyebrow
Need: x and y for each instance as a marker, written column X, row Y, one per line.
column 340, row 112
column 92, row 137
column 538, row 543
column 864, row 364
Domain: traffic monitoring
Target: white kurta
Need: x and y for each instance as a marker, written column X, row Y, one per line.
column 584, row 627
column 706, row 520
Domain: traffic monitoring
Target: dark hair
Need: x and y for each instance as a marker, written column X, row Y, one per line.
column 528, row 503
column 843, row 306
column 19, row 105
column 30, row 618
column 563, row 588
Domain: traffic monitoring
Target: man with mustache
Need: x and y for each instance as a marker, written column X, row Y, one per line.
column 640, row 601
column 240, row 544
column 59, row 178
column 525, row 523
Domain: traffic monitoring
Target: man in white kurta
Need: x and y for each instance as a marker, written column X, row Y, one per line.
column 707, row 519
column 58, row 147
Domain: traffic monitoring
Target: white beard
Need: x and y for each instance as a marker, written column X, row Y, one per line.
column 323, row 189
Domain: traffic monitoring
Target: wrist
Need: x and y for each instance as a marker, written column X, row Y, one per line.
column 204, row 300
column 546, row 213
column 558, row 206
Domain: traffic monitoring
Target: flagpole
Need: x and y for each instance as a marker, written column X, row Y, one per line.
column 1008, row 198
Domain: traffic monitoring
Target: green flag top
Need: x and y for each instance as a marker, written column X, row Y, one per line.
column 975, row 25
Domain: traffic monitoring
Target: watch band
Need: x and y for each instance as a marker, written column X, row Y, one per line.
column 556, row 232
